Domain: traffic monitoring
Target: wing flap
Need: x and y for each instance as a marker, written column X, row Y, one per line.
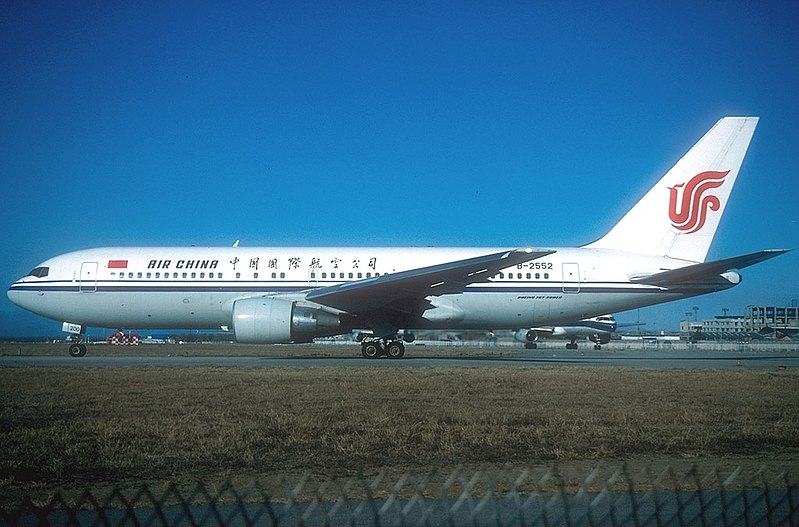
column 414, row 285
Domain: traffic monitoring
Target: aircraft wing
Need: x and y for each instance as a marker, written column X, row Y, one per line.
column 392, row 291
column 708, row 272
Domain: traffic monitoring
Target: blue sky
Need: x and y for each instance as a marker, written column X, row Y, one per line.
column 387, row 123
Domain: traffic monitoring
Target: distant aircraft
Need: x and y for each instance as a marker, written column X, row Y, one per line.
column 655, row 254
column 596, row 329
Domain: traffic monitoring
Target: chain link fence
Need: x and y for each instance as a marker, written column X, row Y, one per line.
column 510, row 496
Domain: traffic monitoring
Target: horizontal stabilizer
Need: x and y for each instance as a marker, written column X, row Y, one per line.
column 707, row 271
column 373, row 293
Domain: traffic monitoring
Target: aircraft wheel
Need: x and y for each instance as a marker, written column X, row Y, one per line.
column 395, row 349
column 77, row 350
column 371, row 350
column 597, row 347
column 530, row 345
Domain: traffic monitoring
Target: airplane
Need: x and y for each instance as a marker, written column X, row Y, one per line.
column 595, row 329
column 654, row 254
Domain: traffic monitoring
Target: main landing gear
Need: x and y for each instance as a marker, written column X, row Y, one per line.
column 573, row 346
column 374, row 347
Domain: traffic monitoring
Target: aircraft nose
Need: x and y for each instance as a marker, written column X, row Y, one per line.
column 13, row 295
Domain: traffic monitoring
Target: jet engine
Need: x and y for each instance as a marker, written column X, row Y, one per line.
column 276, row 320
column 526, row 335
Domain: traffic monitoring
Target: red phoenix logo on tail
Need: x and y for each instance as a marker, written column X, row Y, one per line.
column 692, row 212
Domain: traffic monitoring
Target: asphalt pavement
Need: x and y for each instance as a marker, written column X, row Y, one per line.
column 720, row 360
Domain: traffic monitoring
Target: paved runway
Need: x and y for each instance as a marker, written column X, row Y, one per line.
column 728, row 360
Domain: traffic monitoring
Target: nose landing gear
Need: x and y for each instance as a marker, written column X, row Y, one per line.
column 77, row 349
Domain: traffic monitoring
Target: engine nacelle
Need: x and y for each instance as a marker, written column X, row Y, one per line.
column 274, row 320
column 526, row 335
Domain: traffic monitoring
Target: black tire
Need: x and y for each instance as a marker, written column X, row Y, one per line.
column 77, row 350
column 530, row 345
column 371, row 350
column 395, row 349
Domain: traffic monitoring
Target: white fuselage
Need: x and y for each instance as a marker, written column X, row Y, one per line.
column 194, row 287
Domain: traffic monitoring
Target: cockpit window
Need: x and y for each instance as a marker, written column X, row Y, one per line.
column 40, row 272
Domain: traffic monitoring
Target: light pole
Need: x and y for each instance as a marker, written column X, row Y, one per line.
column 688, row 326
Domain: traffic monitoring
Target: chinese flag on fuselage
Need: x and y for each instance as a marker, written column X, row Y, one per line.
column 117, row 264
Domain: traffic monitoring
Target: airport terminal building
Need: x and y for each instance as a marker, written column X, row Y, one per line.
column 757, row 322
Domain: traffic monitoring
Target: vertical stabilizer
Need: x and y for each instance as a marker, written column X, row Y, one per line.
column 679, row 215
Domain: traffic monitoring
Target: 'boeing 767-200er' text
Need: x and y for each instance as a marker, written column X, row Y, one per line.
column 655, row 254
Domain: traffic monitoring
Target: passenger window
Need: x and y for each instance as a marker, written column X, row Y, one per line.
column 350, row 275
column 528, row 276
column 274, row 275
column 130, row 275
column 238, row 275
column 282, row 275
column 501, row 276
column 194, row 275
column 185, row 275
column 546, row 276
column 360, row 275
column 255, row 275
column 537, row 276
column 202, row 275
column 324, row 275
column 313, row 276
column 149, row 275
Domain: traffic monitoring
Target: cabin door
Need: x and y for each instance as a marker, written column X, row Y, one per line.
column 88, row 277
column 571, row 278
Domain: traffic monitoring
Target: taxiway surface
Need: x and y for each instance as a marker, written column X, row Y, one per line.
column 530, row 359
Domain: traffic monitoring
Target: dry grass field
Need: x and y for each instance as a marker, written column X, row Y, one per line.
column 74, row 427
